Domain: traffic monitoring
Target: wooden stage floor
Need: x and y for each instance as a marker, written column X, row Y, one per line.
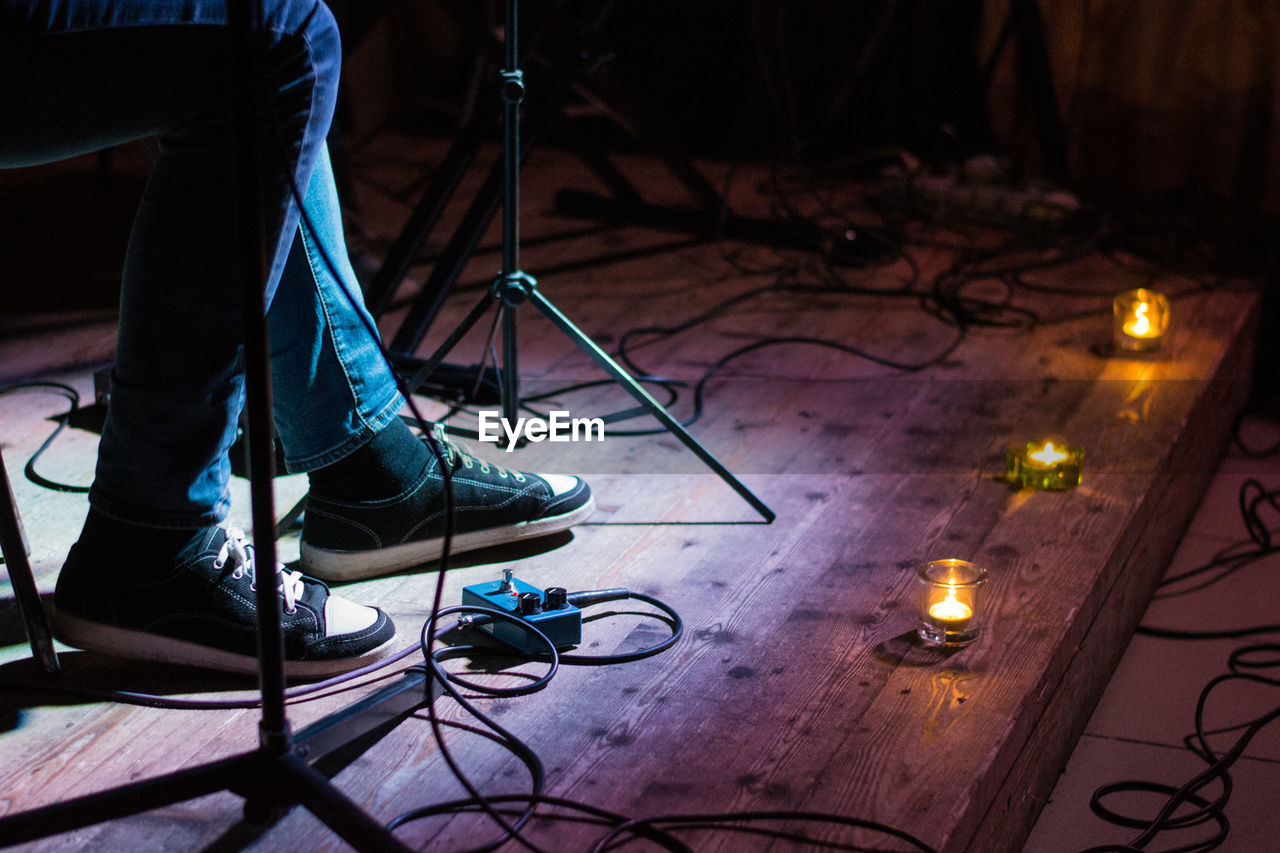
column 799, row 683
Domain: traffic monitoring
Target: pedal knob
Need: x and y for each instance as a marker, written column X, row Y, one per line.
column 556, row 598
column 530, row 603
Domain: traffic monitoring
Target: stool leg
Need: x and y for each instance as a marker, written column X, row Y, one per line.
column 13, row 545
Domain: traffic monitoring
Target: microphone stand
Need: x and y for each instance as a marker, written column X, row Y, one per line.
column 513, row 287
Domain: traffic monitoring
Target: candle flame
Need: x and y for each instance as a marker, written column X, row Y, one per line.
column 950, row 610
column 1048, row 455
column 1140, row 325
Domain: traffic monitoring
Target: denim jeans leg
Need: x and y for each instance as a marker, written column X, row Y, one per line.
column 333, row 389
column 85, row 74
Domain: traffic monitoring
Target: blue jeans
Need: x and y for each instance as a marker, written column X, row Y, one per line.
column 81, row 75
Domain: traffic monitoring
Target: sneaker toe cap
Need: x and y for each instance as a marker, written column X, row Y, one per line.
column 344, row 616
column 560, row 484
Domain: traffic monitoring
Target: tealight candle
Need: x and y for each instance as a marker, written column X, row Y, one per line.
column 949, row 601
column 949, row 610
column 1141, row 318
column 1046, row 465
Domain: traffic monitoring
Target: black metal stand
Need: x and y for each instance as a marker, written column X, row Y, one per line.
column 513, row 287
column 14, row 548
column 278, row 774
column 273, row 778
column 565, row 67
column 572, row 66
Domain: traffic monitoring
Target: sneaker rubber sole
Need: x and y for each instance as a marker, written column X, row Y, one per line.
column 342, row 566
column 108, row 639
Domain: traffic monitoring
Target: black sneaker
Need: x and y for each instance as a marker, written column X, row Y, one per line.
column 202, row 613
column 350, row 540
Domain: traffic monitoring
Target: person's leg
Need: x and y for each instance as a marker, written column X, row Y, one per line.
column 80, row 75
column 151, row 575
column 377, row 495
column 333, row 389
column 377, row 503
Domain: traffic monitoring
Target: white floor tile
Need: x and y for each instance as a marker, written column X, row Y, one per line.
column 1148, row 708
column 1219, row 512
column 1067, row 824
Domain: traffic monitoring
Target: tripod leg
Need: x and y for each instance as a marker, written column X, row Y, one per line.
column 314, row 791
column 510, row 364
column 429, row 367
column 13, row 545
column 630, row 117
column 128, row 799
column 423, row 220
column 642, row 396
column 450, row 265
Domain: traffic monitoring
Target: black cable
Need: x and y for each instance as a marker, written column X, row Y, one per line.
column 672, row 619
column 1244, row 664
column 73, row 397
column 909, row 367
column 589, row 813
column 552, row 655
column 669, row 386
column 625, row 349
column 1207, row 809
column 726, row 825
column 947, row 300
column 447, row 679
column 1207, row 813
column 511, row 831
column 651, row 828
column 639, row 827
column 1253, row 498
column 721, row 821
column 513, row 744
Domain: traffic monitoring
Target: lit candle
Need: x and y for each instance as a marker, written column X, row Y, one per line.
column 1140, row 324
column 1141, row 320
column 1047, row 455
column 1043, row 465
column 949, row 610
column 949, row 601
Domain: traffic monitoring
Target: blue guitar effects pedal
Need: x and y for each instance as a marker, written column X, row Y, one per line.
column 549, row 611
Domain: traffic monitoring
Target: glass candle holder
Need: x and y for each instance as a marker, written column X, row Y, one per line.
column 1140, row 319
column 1045, row 465
column 949, row 602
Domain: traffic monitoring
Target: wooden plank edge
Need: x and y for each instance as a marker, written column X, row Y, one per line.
column 1106, row 623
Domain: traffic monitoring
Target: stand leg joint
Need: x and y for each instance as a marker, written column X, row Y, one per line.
column 513, row 288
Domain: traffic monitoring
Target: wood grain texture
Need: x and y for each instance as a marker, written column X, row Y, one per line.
column 799, row 683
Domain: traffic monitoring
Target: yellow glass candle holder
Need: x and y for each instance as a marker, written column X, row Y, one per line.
column 1140, row 320
column 1045, row 465
column 949, row 602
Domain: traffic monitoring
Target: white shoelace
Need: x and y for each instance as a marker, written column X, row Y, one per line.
column 239, row 553
column 452, row 448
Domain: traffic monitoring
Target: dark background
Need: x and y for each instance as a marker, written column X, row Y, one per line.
column 1174, row 106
